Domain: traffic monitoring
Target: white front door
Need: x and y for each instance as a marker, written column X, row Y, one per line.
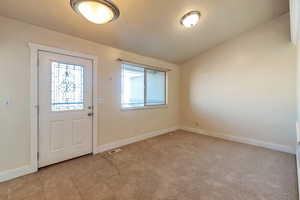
column 65, row 107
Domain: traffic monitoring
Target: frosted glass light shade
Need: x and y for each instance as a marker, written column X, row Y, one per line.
column 96, row 11
column 190, row 19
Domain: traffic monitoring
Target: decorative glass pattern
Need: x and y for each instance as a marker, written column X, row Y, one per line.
column 66, row 87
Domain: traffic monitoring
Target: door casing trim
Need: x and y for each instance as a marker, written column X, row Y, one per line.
column 34, row 101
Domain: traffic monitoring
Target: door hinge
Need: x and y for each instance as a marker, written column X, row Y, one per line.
column 38, row 155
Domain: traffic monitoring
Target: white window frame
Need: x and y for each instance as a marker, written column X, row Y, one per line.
column 165, row 105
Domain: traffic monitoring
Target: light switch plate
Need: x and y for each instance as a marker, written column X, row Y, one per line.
column 4, row 100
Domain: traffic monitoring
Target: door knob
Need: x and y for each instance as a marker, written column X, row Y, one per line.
column 90, row 114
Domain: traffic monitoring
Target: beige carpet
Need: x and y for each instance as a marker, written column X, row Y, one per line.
column 178, row 165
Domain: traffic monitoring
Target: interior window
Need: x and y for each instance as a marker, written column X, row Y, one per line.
column 142, row 87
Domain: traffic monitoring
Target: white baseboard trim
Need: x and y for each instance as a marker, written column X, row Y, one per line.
column 14, row 173
column 131, row 140
column 244, row 140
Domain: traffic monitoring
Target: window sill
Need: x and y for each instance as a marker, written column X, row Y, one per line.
column 145, row 107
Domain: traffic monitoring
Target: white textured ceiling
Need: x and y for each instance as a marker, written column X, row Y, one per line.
column 151, row 27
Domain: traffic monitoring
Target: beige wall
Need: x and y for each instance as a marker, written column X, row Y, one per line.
column 114, row 124
column 245, row 87
column 298, row 82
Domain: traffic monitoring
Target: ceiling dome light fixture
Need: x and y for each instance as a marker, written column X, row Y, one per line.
column 96, row 11
column 190, row 19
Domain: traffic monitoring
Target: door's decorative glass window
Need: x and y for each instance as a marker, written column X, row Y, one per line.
column 66, row 87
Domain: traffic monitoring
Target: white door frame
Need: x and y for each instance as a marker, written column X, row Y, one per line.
column 34, row 101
